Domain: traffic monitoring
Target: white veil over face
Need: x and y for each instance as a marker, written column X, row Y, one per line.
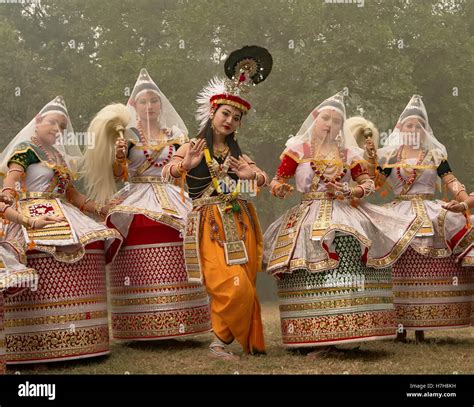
column 309, row 135
column 168, row 117
column 66, row 142
column 421, row 137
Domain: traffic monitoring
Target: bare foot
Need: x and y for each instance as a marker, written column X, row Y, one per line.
column 218, row 352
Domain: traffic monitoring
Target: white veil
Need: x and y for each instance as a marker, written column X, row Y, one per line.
column 169, row 117
column 428, row 142
column 66, row 144
column 296, row 146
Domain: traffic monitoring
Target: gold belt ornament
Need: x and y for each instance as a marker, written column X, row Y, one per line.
column 234, row 247
column 159, row 187
column 424, row 197
column 191, row 246
column 212, row 200
column 324, row 215
column 418, row 207
column 312, row 196
column 323, row 219
column 285, row 243
column 146, row 180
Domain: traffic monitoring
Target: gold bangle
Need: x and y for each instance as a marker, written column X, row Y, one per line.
column 171, row 166
column 181, row 169
column 98, row 208
column 466, row 206
column 462, row 190
column 256, row 179
column 2, row 212
column 451, row 180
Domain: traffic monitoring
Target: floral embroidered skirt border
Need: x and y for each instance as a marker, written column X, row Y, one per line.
column 150, row 293
column 432, row 293
column 351, row 303
column 66, row 317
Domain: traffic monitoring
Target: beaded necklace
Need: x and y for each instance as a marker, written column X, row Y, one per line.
column 62, row 176
column 147, row 154
column 319, row 167
column 401, row 159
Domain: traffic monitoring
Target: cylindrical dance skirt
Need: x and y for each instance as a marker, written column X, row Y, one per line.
column 352, row 303
column 151, row 296
column 66, row 317
column 432, row 293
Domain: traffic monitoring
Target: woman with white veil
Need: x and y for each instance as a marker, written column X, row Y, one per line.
column 331, row 259
column 66, row 317
column 15, row 277
column 152, row 298
column 431, row 288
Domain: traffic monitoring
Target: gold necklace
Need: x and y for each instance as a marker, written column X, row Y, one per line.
column 221, row 153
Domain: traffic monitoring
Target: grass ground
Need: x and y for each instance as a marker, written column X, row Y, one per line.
column 446, row 352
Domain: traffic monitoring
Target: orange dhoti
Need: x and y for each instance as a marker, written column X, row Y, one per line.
column 235, row 310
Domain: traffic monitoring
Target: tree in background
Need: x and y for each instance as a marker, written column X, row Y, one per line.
column 381, row 53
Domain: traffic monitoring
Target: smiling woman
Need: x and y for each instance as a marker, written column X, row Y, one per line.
column 332, row 258
column 66, row 317
column 223, row 241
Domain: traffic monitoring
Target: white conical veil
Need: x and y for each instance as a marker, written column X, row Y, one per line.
column 66, row 143
column 428, row 142
column 168, row 118
column 306, row 134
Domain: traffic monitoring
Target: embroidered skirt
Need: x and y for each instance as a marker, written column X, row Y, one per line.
column 151, row 295
column 66, row 317
column 351, row 303
column 432, row 293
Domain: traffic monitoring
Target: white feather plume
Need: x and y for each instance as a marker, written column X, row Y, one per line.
column 215, row 86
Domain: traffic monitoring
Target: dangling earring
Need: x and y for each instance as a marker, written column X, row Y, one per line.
column 211, row 117
column 236, row 132
column 339, row 139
